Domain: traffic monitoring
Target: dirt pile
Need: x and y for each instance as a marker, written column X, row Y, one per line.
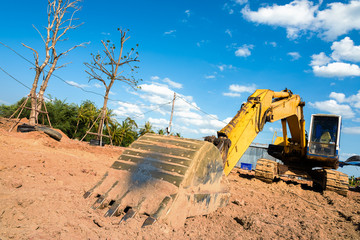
column 42, row 182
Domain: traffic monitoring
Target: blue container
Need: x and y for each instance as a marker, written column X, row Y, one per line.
column 246, row 166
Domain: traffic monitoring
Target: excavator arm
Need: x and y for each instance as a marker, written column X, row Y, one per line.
column 262, row 106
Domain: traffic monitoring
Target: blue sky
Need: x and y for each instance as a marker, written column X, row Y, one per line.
column 213, row 54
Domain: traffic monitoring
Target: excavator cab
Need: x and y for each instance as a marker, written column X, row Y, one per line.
column 324, row 136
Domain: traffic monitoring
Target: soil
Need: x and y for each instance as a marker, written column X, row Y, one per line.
column 42, row 182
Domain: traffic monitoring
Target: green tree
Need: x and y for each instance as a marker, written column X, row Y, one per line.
column 86, row 116
column 7, row 110
column 161, row 131
column 62, row 115
column 146, row 129
column 125, row 133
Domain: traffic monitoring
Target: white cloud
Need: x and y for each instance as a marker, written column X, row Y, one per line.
column 295, row 16
column 187, row 119
column 353, row 100
column 337, row 69
column 158, row 122
column 241, row 2
column 339, row 97
column 345, row 50
column 207, row 131
column 244, row 51
column 210, row 77
column 227, row 31
column 351, row 130
column 223, row 67
column 294, row 55
column 202, row 43
column 338, row 19
column 232, row 94
column 331, row 106
column 242, row 88
column 127, row 109
column 172, row 83
column 272, row 129
column 227, row 120
column 229, row 8
column 320, row 59
column 274, row 44
column 236, row 90
column 187, row 12
column 170, row 33
column 75, row 84
column 154, row 78
column 300, row 16
column 156, row 93
column 98, row 85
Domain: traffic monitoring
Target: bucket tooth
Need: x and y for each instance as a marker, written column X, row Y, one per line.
column 98, row 202
column 149, row 221
column 90, row 192
column 153, row 218
column 87, row 194
column 102, row 198
column 114, row 208
column 129, row 214
column 132, row 211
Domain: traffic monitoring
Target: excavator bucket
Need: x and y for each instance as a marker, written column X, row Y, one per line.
column 164, row 177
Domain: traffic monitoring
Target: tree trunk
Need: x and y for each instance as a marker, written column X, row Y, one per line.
column 103, row 115
column 44, row 86
column 77, row 126
column 33, row 115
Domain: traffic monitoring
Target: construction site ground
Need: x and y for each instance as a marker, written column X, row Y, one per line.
column 42, row 183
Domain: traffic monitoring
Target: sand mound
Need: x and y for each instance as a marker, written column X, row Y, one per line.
column 42, row 182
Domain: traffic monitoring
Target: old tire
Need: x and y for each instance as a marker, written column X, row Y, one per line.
column 51, row 132
column 26, row 128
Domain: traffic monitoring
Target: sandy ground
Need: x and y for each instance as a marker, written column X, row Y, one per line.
column 42, row 182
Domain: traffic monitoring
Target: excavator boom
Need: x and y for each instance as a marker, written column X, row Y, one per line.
column 262, row 106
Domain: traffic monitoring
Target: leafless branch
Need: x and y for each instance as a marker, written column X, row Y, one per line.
column 39, row 33
column 72, row 48
column 65, row 64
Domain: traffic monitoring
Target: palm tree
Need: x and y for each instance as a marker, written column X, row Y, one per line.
column 146, row 129
column 87, row 114
column 125, row 133
column 161, row 131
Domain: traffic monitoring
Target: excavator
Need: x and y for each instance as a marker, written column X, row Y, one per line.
column 170, row 178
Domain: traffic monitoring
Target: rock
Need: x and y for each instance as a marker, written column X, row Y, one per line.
column 239, row 203
column 98, row 223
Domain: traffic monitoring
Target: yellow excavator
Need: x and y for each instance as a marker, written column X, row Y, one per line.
column 172, row 178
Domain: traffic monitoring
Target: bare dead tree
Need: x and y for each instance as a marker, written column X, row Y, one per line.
column 108, row 67
column 60, row 20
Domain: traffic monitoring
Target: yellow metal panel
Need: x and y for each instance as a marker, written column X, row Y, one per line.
column 245, row 126
column 263, row 105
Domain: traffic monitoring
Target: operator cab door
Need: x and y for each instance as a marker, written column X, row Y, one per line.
column 324, row 135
